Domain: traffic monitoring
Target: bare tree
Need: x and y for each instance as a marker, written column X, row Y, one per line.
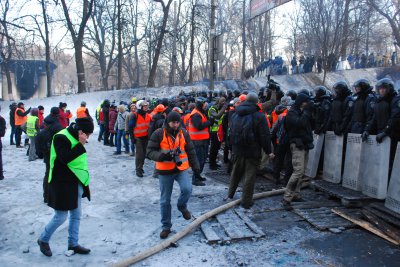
column 165, row 10
column 77, row 38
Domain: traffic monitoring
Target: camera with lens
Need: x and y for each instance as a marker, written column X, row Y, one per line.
column 176, row 157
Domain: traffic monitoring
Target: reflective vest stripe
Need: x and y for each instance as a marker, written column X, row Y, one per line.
column 31, row 125
column 165, row 147
column 198, row 134
column 78, row 166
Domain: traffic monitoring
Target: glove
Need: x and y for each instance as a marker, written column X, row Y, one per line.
column 379, row 137
column 364, row 136
column 166, row 157
column 338, row 132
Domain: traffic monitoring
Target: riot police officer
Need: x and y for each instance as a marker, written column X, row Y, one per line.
column 322, row 109
column 364, row 101
column 342, row 108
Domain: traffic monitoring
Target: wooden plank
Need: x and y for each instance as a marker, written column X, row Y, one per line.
column 322, row 218
column 250, row 223
column 384, row 216
column 380, row 206
column 234, row 227
column 211, row 236
column 314, row 204
column 364, row 224
column 382, row 225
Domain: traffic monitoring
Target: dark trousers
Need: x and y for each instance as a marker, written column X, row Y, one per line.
column 141, row 145
column 201, row 153
column 46, row 160
column 214, row 148
column 283, row 159
column 245, row 168
column 106, row 135
column 12, row 135
column 18, row 135
column 113, row 139
column 101, row 132
column 1, row 160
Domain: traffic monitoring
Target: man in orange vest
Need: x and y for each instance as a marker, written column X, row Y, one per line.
column 174, row 152
column 141, row 124
column 198, row 131
column 82, row 111
column 20, row 119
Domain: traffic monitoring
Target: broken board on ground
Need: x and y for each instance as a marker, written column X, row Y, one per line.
column 232, row 225
column 323, row 218
column 348, row 197
column 380, row 210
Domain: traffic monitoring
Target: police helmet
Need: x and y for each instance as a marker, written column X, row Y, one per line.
column 362, row 86
column 292, row 94
column 387, row 84
column 341, row 88
column 305, row 91
column 320, row 91
column 236, row 92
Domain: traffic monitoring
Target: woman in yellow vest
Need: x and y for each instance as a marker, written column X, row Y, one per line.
column 68, row 183
column 32, row 128
column 173, row 151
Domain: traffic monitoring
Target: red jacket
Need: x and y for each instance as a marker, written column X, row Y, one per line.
column 63, row 118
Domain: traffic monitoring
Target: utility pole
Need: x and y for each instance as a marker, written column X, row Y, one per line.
column 173, row 67
column 244, row 41
column 212, row 45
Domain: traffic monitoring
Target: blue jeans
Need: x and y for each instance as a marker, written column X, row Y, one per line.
column 59, row 218
column 121, row 134
column 201, row 153
column 132, row 144
column 166, row 185
column 101, row 132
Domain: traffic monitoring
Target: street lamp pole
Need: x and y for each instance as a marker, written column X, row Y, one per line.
column 212, row 45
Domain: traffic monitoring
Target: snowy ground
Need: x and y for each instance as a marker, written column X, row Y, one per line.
column 123, row 217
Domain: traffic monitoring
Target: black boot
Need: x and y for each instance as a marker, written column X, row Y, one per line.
column 44, row 248
column 79, row 249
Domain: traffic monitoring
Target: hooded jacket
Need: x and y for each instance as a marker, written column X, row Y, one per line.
column 261, row 132
column 154, row 153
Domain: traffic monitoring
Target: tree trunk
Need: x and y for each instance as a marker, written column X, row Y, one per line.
column 192, row 28
column 47, row 49
column 343, row 48
column 80, row 68
column 153, row 70
column 119, row 29
column 244, row 41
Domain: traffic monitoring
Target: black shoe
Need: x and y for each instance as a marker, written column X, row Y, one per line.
column 198, row 183
column 45, row 248
column 164, row 233
column 20, row 146
column 79, row 249
column 117, row 153
column 298, row 199
column 201, row 178
column 2, row 177
column 247, row 205
column 186, row 214
column 287, row 205
column 12, row 144
column 139, row 174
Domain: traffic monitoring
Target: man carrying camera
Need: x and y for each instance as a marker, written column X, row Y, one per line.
column 173, row 151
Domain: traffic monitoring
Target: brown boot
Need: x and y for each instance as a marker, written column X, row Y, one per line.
column 164, row 233
column 186, row 214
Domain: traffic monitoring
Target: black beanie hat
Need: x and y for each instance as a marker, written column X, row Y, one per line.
column 55, row 111
column 173, row 116
column 85, row 124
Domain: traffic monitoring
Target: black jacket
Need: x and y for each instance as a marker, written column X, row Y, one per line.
column 63, row 189
column 262, row 138
column 298, row 127
column 156, row 122
column 322, row 114
column 196, row 121
column 342, row 110
column 154, row 153
column 43, row 141
column 362, row 111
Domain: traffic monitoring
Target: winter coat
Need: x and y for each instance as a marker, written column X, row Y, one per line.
column 261, row 132
column 112, row 115
column 63, row 118
column 63, row 189
column 156, row 122
column 322, row 114
column 12, row 116
column 342, row 110
column 121, row 118
column 51, row 124
column 154, row 153
column 299, row 129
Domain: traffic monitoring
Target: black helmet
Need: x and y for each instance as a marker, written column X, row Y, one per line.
column 236, row 92
column 201, row 100
column 222, row 93
column 292, row 94
column 215, row 93
column 341, row 88
column 363, row 85
column 320, row 91
column 305, row 91
column 229, row 93
column 387, row 84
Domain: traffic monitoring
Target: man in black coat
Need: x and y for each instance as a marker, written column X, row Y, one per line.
column 249, row 134
column 13, row 107
column 298, row 124
column 68, row 183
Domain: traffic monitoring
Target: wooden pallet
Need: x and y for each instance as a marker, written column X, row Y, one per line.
column 322, row 218
column 379, row 209
column 232, row 225
column 348, row 197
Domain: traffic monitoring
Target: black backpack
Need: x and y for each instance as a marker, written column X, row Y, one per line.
column 43, row 141
column 281, row 133
column 242, row 131
column 2, row 126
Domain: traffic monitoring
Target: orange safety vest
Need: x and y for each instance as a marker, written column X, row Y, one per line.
column 19, row 120
column 274, row 117
column 198, row 134
column 142, row 126
column 81, row 112
column 186, row 119
column 168, row 145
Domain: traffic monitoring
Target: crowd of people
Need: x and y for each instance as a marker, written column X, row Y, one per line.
column 250, row 129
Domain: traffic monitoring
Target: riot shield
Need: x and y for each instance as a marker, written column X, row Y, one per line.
column 393, row 195
column 374, row 167
column 333, row 153
column 351, row 173
column 314, row 156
